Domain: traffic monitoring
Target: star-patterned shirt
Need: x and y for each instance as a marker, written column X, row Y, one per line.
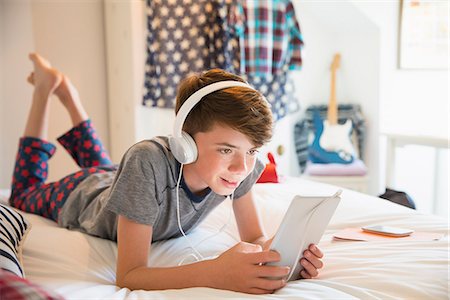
column 186, row 36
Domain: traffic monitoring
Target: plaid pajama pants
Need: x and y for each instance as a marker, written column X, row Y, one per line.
column 30, row 193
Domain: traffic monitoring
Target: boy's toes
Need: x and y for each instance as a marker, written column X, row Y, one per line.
column 44, row 76
column 39, row 60
column 30, row 78
column 34, row 57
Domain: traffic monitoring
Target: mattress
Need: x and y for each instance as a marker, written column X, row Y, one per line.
column 79, row 266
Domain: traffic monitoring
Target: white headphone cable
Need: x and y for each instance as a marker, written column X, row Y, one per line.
column 223, row 226
column 197, row 255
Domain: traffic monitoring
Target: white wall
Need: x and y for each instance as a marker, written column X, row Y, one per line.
column 1, row 80
column 416, row 103
column 71, row 35
column 125, row 38
column 16, row 41
column 423, row 94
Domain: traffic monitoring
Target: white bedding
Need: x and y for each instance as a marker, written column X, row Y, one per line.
column 79, row 266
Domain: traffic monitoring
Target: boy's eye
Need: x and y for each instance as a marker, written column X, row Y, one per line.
column 253, row 152
column 225, row 151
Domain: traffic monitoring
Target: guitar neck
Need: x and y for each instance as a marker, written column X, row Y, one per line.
column 332, row 114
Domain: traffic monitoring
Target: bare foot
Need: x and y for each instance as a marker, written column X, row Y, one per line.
column 62, row 87
column 44, row 78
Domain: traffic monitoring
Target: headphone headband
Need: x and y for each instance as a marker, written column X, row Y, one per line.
column 193, row 99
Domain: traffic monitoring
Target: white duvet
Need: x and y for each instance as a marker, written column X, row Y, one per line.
column 79, row 266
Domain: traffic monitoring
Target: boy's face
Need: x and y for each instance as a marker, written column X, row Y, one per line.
column 225, row 158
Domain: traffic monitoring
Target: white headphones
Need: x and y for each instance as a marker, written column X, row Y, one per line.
column 181, row 144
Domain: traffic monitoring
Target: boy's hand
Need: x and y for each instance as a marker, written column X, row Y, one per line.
column 266, row 244
column 311, row 262
column 242, row 269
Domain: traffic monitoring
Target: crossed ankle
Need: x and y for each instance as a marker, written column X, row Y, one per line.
column 43, row 93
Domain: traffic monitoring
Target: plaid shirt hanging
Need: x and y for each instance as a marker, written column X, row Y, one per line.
column 186, row 36
column 271, row 43
column 270, row 37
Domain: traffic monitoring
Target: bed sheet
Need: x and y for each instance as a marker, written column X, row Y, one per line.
column 79, row 266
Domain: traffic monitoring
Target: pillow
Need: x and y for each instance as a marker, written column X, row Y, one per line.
column 15, row 287
column 4, row 196
column 13, row 230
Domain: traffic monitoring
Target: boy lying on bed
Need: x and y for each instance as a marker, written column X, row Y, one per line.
column 136, row 203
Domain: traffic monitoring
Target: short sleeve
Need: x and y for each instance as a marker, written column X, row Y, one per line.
column 251, row 179
column 236, row 18
column 133, row 192
column 295, row 38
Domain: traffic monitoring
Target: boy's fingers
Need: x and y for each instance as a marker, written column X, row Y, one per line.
column 309, row 267
column 313, row 259
column 270, row 285
column 317, row 252
column 263, row 257
column 271, row 271
column 305, row 275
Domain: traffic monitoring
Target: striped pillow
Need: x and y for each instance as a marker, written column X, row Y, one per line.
column 13, row 229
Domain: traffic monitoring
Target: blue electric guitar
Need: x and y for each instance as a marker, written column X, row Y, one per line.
column 332, row 142
column 318, row 155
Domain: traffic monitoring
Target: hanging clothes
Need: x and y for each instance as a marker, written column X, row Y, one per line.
column 186, row 36
column 260, row 40
column 279, row 90
column 271, row 43
column 270, row 37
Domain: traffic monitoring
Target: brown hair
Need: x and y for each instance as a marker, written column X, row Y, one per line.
column 243, row 109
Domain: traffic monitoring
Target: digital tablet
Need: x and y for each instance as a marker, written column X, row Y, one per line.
column 303, row 224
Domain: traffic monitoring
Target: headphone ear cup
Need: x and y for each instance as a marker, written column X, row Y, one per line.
column 183, row 149
column 191, row 148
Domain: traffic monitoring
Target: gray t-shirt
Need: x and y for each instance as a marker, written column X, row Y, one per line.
column 143, row 189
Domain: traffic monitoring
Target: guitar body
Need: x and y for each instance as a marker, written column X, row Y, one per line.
column 332, row 143
column 337, row 137
column 318, row 155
